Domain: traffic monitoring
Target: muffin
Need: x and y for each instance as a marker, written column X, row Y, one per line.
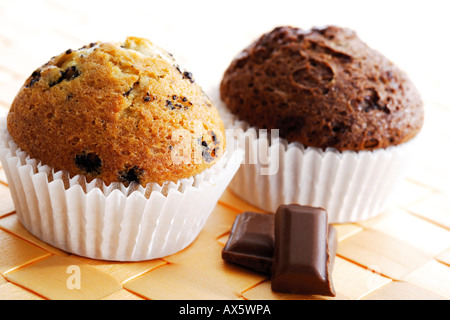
column 345, row 115
column 115, row 112
column 114, row 152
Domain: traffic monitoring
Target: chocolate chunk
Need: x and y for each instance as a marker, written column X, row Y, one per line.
column 185, row 74
column 68, row 74
column 208, row 154
column 126, row 94
column 301, row 262
column 215, row 138
column 130, row 175
column 88, row 162
column 35, row 76
column 170, row 105
column 251, row 241
column 188, row 75
column 148, row 97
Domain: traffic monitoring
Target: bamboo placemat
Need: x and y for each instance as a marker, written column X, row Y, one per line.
column 404, row 253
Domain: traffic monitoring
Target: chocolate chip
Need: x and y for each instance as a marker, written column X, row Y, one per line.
column 126, row 94
column 130, row 175
column 207, row 154
column 88, row 162
column 69, row 51
column 214, row 137
column 68, row 74
column 149, row 97
column 188, row 75
column 170, row 105
column 35, row 76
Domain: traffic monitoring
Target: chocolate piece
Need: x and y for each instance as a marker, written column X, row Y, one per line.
column 68, row 74
column 251, row 241
column 301, row 262
column 208, row 153
column 188, row 75
column 130, row 175
column 35, row 76
column 88, row 162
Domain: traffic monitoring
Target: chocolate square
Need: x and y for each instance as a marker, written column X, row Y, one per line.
column 301, row 261
column 251, row 241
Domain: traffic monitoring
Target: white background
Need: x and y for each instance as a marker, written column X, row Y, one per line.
column 204, row 36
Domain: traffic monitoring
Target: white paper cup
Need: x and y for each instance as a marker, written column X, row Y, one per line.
column 112, row 222
column 351, row 186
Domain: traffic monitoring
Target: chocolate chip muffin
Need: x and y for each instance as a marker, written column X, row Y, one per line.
column 323, row 88
column 121, row 112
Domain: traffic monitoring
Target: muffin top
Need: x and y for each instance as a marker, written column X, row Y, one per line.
column 324, row 88
column 122, row 112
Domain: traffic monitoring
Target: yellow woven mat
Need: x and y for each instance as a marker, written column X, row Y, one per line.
column 404, row 253
column 398, row 255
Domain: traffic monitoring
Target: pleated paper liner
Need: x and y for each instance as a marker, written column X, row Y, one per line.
column 112, row 222
column 351, row 186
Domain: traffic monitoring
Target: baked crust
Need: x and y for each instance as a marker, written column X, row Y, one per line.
column 323, row 88
column 121, row 112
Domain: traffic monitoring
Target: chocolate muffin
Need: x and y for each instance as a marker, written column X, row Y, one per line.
column 323, row 88
column 121, row 112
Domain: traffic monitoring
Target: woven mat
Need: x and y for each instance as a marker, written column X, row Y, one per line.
column 404, row 253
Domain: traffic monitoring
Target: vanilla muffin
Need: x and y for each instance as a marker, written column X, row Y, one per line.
column 121, row 112
column 113, row 152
